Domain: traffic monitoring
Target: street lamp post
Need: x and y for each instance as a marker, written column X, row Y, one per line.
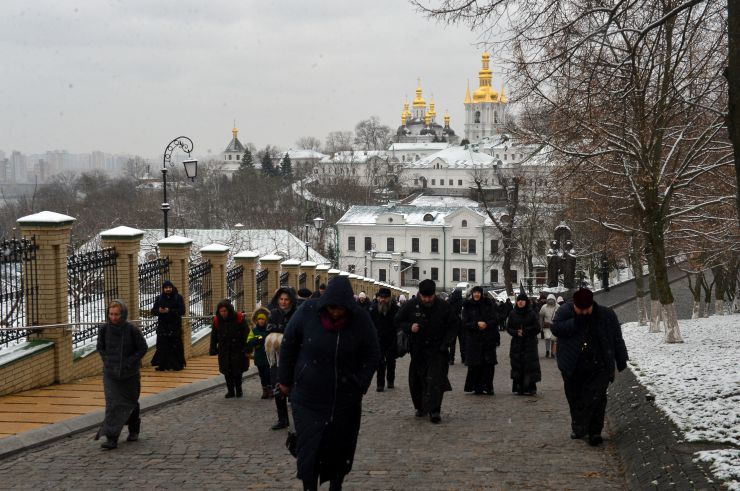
column 191, row 168
column 318, row 224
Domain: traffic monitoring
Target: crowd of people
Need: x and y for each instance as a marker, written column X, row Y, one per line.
column 321, row 350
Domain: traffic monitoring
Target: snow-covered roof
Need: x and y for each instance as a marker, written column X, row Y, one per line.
column 234, row 146
column 420, row 146
column 457, row 157
column 443, row 201
column 354, row 156
column 299, row 154
column 412, row 215
column 261, row 242
column 49, row 217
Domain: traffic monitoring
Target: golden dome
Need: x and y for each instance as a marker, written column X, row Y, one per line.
column 427, row 118
column 468, row 100
column 485, row 93
column 405, row 114
column 234, row 131
column 503, row 94
column 432, row 112
column 419, row 101
column 447, row 118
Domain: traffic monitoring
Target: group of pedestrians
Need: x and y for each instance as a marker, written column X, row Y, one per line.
column 322, row 350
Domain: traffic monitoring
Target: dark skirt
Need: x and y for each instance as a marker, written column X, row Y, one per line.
column 170, row 354
column 480, row 378
column 326, row 449
column 121, row 399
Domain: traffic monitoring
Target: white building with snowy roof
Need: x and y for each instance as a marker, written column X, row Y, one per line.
column 403, row 244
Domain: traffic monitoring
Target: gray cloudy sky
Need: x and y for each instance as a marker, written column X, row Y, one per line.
column 128, row 76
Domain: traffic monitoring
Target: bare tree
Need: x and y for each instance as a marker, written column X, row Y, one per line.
column 308, row 143
column 370, row 134
column 338, row 141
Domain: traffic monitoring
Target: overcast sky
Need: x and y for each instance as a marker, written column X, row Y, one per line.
column 129, row 76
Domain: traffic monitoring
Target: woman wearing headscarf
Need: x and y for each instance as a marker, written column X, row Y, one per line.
column 523, row 326
column 121, row 346
column 284, row 306
column 229, row 333
column 547, row 314
column 169, row 307
column 482, row 338
column 328, row 358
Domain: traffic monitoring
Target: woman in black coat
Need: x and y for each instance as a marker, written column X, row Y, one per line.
column 285, row 303
column 229, row 341
column 327, row 360
column 523, row 325
column 481, row 338
column 169, row 308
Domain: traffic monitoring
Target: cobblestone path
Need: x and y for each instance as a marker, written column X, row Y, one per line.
column 208, row 442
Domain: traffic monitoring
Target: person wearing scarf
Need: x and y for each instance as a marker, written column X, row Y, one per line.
column 523, row 325
column 328, row 358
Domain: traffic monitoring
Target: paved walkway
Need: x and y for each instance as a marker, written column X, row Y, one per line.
column 500, row 442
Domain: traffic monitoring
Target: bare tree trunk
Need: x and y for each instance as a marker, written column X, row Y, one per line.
column 656, row 313
column 657, row 246
column 695, row 310
column 642, row 312
column 636, row 263
column 672, row 333
column 719, row 306
column 696, row 293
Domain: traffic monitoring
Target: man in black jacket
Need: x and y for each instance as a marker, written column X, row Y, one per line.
column 590, row 344
column 432, row 326
column 383, row 311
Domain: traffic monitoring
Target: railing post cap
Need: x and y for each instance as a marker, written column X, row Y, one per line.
column 175, row 240
column 46, row 219
column 271, row 257
column 308, row 264
column 291, row 262
column 247, row 255
column 323, row 267
column 121, row 232
column 343, row 273
column 353, row 276
column 333, row 271
column 215, row 247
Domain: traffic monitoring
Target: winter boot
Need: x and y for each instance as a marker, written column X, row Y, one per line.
column 110, row 443
column 229, row 387
column 238, row 385
column 282, row 411
column 134, row 427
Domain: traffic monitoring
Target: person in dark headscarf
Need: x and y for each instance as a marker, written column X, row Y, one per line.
column 285, row 302
column 229, row 333
column 121, row 346
column 523, row 325
column 482, row 338
column 169, row 308
column 328, row 357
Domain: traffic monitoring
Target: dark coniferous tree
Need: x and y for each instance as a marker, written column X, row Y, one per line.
column 286, row 167
column 268, row 169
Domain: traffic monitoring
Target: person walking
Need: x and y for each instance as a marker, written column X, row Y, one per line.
column 383, row 312
column 431, row 325
column 363, row 301
column 504, row 309
column 328, row 357
column 229, row 332
column 523, row 326
column 456, row 302
column 121, row 346
column 590, row 346
column 482, row 338
column 169, row 307
column 547, row 313
column 256, row 342
column 285, row 306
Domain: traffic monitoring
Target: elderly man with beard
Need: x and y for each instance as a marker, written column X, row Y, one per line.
column 590, row 344
column 382, row 312
column 432, row 326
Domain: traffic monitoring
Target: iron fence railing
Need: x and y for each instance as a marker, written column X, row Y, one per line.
column 302, row 280
column 151, row 276
column 284, row 278
column 92, row 282
column 201, row 294
column 19, row 305
column 262, row 287
column 235, row 285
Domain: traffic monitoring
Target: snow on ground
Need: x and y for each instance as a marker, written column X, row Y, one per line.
column 696, row 383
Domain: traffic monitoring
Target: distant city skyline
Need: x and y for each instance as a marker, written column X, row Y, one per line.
column 126, row 78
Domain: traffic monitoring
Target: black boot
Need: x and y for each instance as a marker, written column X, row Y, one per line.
column 238, row 385
column 110, row 443
column 336, row 484
column 229, row 387
column 282, row 411
column 133, row 430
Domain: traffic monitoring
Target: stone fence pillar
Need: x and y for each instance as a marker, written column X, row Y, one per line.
column 309, row 267
column 127, row 242
column 177, row 249
column 271, row 264
column 331, row 274
column 322, row 271
column 53, row 232
column 292, row 267
column 248, row 260
column 218, row 254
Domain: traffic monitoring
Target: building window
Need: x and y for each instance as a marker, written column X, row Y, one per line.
column 541, row 247
column 414, row 244
column 464, row 224
column 450, row 182
column 435, row 274
column 435, row 245
column 416, row 182
column 463, row 246
column 514, row 278
column 455, row 274
column 459, row 182
column 368, row 243
column 415, row 273
column 350, row 268
column 494, row 246
column 494, row 276
column 389, row 244
column 230, row 156
column 471, row 275
column 477, row 116
column 433, row 182
column 350, row 243
column 381, row 275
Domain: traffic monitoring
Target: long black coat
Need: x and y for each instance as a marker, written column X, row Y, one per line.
column 170, row 353
column 229, row 342
column 571, row 336
column 328, row 371
column 385, row 326
column 480, row 346
column 525, row 360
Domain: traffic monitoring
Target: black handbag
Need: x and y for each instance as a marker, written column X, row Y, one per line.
column 403, row 341
column 291, row 442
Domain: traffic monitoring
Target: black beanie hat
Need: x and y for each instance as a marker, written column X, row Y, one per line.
column 427, row 287
column 583, row 298
column 522, row 296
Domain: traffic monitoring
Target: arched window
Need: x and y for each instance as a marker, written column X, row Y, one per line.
column 464, row 224
column 477, row 116
column 428, row 217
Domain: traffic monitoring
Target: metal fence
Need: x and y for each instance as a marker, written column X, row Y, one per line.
column 316, row 283
column 151, row 276
column 18, row 280
column 92, row 282
column 235, row 285
column 201, row 301
column 262, row 288
column 284, row 278
column 302, row 280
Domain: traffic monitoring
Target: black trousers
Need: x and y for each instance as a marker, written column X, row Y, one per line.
column 233, row 382
column 428, row 381
column 461, row 337
column 264, row 372
column 586, row 394
column 386, row 367
column 134, row 421
column 480, row 378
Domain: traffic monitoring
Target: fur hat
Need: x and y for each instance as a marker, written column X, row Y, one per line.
column 583, row 298
column 384, row 292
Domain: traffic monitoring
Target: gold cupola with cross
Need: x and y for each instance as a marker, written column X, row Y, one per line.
column 485, row 110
